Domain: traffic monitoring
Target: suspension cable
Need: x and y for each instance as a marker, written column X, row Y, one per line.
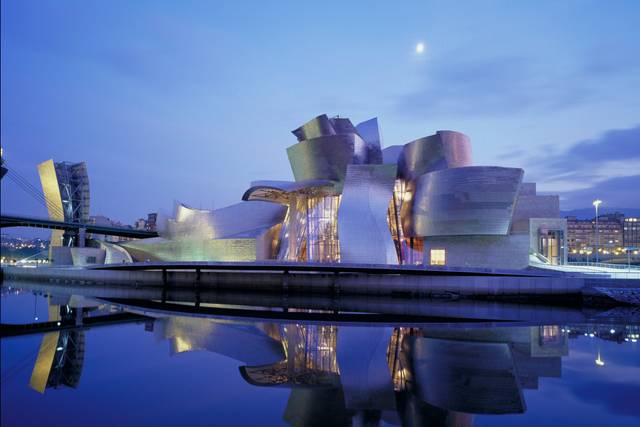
column 34, row 192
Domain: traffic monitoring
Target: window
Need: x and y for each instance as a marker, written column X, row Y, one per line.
column 91, row 260
column 438, row 256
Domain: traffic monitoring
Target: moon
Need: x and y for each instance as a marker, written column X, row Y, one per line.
column 420, row 48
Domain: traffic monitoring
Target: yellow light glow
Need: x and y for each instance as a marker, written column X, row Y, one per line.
column 420, row 48
column 438, row 257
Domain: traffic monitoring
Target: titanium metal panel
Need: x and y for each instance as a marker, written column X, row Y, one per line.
column 342, row 126
column 280, row 191
column 314, row 128
column 362, row 217
column 191, row 249
column 391, row 155
column 324, row 157
column 244, row 219
column 369, row 130
column 324, row 126
column 463, row 201
column 189, row 222
column 445, row 149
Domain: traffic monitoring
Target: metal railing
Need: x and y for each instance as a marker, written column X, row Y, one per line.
column 606, row 265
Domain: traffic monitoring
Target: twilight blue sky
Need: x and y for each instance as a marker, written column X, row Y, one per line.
column 192, row 100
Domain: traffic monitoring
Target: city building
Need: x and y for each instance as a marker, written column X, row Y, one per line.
column 140, row 224
column 107, row 222
column 631, row 232
column 351, row 201
column 581, row 233
column 610, row 230
column 151, row 222
column 609, row 239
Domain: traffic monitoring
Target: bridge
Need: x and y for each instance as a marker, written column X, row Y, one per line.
column 19, row 221
column 12, row 330
column 71, row 227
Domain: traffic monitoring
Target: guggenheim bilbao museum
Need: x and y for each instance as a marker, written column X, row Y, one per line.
column 351, row 201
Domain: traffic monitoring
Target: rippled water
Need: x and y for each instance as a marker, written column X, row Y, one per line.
column 198, row 368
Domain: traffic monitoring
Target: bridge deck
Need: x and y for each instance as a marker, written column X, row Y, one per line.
column 18, row 221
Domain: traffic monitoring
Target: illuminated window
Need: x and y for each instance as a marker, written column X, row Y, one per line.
column 438, row 256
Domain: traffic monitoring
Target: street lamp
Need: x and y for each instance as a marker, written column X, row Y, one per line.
column 596, row 203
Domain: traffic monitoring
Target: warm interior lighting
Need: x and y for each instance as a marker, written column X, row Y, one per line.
column 437, row 257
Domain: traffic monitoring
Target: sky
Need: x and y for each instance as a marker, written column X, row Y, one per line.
column 190, row 101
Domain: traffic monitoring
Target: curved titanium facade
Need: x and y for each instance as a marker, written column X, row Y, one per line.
column 244, row 219
column 327, row 145
column 367, row 146
column 369, row 131
column 352, row 202
column 445, row 149
column 245, row 231
column 324, row 157
column 314, row 128
column 189, row 222
column 463, row 201
column 363, row 231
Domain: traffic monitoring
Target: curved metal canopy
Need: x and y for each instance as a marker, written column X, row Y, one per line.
column 280, row 191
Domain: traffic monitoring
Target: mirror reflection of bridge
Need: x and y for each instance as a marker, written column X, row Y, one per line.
column 61, row 354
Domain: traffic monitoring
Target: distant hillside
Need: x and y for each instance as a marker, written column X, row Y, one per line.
column 587, row 213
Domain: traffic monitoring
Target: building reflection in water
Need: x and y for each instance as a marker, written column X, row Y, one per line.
column 402, row 376
column 358, row 375
column 61, row 354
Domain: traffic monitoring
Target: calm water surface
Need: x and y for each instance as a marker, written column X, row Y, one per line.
column 207, row 371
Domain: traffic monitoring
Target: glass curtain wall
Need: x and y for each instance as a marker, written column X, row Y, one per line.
column 409, row 249
column 322, row 229
column 310, row 231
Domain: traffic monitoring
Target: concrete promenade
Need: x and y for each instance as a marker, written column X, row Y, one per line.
column 336, row 279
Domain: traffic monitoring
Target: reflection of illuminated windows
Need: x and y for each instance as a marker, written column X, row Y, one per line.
column 437, row 257
column 550, row 335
